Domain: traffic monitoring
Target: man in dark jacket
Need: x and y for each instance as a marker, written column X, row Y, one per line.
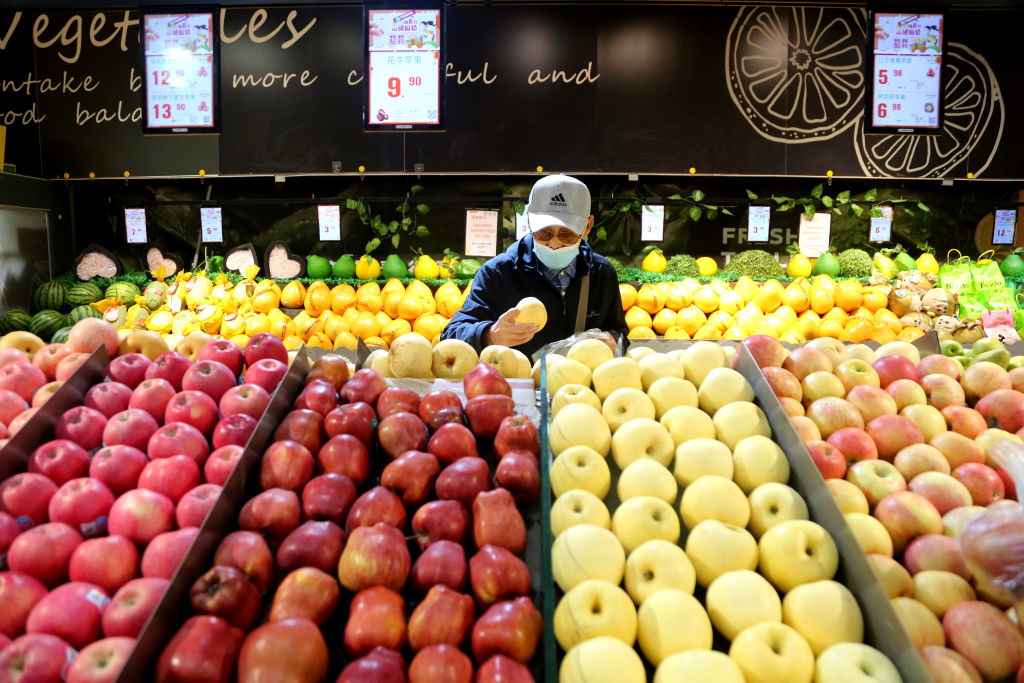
column 550, row 264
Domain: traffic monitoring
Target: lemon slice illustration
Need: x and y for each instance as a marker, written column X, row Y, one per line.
column 972, row 105
column 797, row 73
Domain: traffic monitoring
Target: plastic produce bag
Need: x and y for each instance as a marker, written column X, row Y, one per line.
column 562, row 346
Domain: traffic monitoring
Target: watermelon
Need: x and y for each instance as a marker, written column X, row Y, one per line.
column 83, row 293
column 84, row 311
column 125, row 291
column 46, row 322
column 14, row 319
column 61, row 335
column 50, row 296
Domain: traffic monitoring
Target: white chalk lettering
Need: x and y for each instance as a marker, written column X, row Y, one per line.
column 582, row 76
column 469, row 77
column 66, row 84
column 270, row 79
column 10, row 30
column 30, row 115
column 352, row 80
column 71, row 34
column 255, row 23
column 103, row 115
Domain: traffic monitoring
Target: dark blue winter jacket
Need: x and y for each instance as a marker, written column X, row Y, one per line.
column 507, row 278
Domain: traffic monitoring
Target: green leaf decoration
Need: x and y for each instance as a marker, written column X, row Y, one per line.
column 875, row 212
column 843, row 197
column 675, row 197
column 695, row 213
column 857, row 210
column 628, row 193
column 406, row 222
column 415, row 189
column 871, row 195
column 697, row 195
column 623, row 208
column 837, row 211
column 602, row 234
column 712, row 214
column 351, row 204
column 393, row 227
column 423, row 209
column 403, row 208
column 394, row 240
column 751, row 195
column 826, row 201
column 816, row 191
column 809, row 210
column 782, row 200
column 421, row 231
column 923, row 207
column 372, row 244
column 519, row 207
column 726, row 212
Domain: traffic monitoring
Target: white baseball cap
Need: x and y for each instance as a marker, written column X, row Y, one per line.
column 559, row 200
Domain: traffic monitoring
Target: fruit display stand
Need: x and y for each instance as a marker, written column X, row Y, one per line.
column 172, row 607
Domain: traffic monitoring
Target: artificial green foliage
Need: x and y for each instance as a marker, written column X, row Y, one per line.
column 681, row 266
column 854, row 263
column 755, row 263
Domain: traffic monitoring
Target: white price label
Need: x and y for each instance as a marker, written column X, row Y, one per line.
column 758, row 218
column 211, row 225
column 1004, row 227
column 482, row 232
column 329, row 216
column 881, row 226
column 814, row 233
column 652, row 223
column 522, row 225
column 135, row 226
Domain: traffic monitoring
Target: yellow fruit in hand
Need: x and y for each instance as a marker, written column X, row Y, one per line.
column 654, row 262
column 706, row 266
column 426, row 268
column 367, row 268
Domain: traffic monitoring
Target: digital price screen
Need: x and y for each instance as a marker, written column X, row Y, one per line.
column 180, row 73
column 1004, row 227
column 404, row 63
column 906, row 77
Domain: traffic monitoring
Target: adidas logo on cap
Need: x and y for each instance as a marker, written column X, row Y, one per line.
column 558, row 200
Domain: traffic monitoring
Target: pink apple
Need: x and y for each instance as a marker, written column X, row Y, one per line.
column 1016, row 376
column 234, row 429
column 153, row 395
column 36, row 657
column 101, row 661
column 166, row 551
column 19, row 593
column 982, row 378
column 894, row 367
column 118, row 467
column 22, row 378
column 986, row 637
column 907, row 392
column 69, row 365
column 61, row 460
column 82, row 503
column 11, row 404
column 28, row 495
column 920, row 457
column 907, row 515
column 871, row 402
column 265, row 345
column 171, row 366
column 178, row 438
column 937, row 364
column 44, row 552
column 130, row 427
column 766, row 350
column 267, row 373
column 944, row 492
column 210, row 377
column 71, row 612
column 223, row 351
column 793, row 407
column 829, row 460
column 173, row 476
column 129, row 369
column 132, row 605
column 855, row 444
column 195, row 505
column 1003, row 408
column 964, row 420
column 108, row 561
column 957, row 449
column 876, row 479
column 141, row 514
column 784, row 383
column 804, row 360
column 45, row 393
column 48, row 357
column 1008, row 484
column 82, row 425
column 194, row 408
column 109, row 398
column 221, row 462
column 832, row 413
column 17, row 423
column 935, row 551
column 983, row 483
column 892, row 433
column 250, row 399
column 943, row 391
column 806, row 429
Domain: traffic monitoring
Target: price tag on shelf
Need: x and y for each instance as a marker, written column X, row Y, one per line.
column 1005, row 226
column 652, row 223
column 482, row 232
column 522, row 225
column 814, row 233
column 135, row 226
column 758, row 218
column 881, row 226
column 329, row 216
column 211, row 225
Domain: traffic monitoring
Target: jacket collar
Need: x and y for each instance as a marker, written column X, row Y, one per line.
column 522, row 254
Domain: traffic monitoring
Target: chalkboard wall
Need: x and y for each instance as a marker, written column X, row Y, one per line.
column 750, row 90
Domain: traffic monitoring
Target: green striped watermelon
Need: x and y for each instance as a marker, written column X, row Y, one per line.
column 83, row 293
column 46, row 322
column 84, row 311
column 14, row 319
column 61, row 335
column 125, row 291
column 50, row 296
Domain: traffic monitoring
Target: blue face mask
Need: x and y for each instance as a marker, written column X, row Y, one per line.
column 556, row 259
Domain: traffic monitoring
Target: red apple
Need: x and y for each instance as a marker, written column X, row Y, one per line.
column 211, row 377
column 485, row 379
column 443, row 616
column 892, row 433
column 463, row 480
column 194, row 408
column 132, row 605
column 1003, row 408
column 101, row 661
column 173, row 477
column 411, row 475
column 48, row 357
column 247, row 551
column 9, row 530
column 286, row 650
column 401, row 432
column 380, row 666
column 516, row 433
column 22, row 378
column 452, row 441
column 11, row 404
column 141, row 515
column 28, row 495
column 963, row 420
column 152, row 395
column 249, row 399
column 983, row 483
column 108, row 562
column 486, row 411
column 517, row 471
column 397, row 400
column 783, row 383
column 937, row 364
column 345, row 454
column 313, row 544
column 442, row 662
column 442, row 561
column 178, row 438
column 497, row 521
column 374, row 556
column 330, row 367
column 766, row 350
column 44, row 552
column 227, row 593
column 502, row 669
column 287, row 465
column 221, row 462
column 130, row 427
column 60, row 460
column 440, row 520
column 171, row 366
column 305, row 593
column 82, row 425
column 265, row 345
column 854, row 444
column 497, row 574
column 193, row 507
column 1009, row 486
column 353, row 418
column 234, row 429
column 36, row 657
column 19, row 593
column 165, row 552
column 376, row 619
column 377, row 505
column 365, row 386
column 935, row 551
column 328, row 497
column 829, row 460
column 109, row 398
column 894, row 367
column 274, row 512
column 267, row 373
column 986, row 637
column 71, row 612
column 205, row 648
column 438, row 406
column 82, row 503
column 510, row 627
column 304, row 426
column 222, row 351
column 129, row 369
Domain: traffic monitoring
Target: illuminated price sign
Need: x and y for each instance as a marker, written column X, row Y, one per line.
column 1005, row 226
column 758, row 218
column 906, row 86
column 135, row 226
column 211, row 224
column 404, row 66
column 329, row 216
column 881, row 226
column 181, row 64
column 652, row 223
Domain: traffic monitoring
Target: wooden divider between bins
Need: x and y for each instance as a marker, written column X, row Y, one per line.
column 174, row 605
column 882, row 627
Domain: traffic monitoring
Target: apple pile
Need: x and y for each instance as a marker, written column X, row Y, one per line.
column 450, row 359
column 904, row 445
column 686, row 421
column 94, row 529
column 373, row 498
